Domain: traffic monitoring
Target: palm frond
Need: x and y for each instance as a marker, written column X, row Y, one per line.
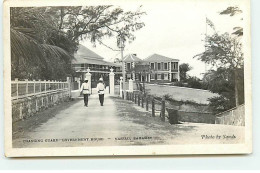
column 23, row 45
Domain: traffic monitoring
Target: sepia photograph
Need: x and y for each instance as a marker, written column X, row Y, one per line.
column 127, row 78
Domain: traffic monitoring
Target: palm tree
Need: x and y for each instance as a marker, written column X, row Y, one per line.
column 30, row 51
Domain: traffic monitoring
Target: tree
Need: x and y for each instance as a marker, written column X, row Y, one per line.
column 142, row 68
column 232, row 11
column 224, row 51
column 44, row 39
column 184, row 68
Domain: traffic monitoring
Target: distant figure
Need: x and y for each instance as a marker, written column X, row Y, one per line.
column 85, row 89
column 101, row 91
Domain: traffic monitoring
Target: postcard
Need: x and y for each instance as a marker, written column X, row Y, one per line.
column 110, row 78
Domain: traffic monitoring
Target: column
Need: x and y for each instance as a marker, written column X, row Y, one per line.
column 78, row 80
column 69, row 85
column 111, row 82
column 178, row 73
column 133, row 72
column 88, row 77
column 131, row 85
column 121, row 87
column 170, row 72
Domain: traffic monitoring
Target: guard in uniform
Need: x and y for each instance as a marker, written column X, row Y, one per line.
column 101, row 91
column 85, row 89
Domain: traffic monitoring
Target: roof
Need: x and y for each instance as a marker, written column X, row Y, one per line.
column 86, row 56
column 156, row 57
column 132, row 58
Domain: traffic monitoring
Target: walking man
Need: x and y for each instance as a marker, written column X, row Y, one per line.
column 101, row 91
column 85, row 89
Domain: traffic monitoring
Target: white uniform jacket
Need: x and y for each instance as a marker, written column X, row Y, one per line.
column 85, row 88
column 101, row 88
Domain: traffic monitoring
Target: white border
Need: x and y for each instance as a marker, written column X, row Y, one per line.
column 121, row 150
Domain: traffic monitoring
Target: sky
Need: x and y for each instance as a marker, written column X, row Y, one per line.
column 175, row 30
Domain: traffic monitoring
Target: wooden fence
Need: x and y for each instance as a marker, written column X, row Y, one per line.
column 26, row 88
column 164, row 109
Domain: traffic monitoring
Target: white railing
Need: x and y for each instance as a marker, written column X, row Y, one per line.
column 26, row 88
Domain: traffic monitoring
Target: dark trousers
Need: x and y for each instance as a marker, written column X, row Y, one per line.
column 86, row 99
column 101, row 99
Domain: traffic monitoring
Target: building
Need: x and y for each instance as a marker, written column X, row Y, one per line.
column 153, row 68
column 163, row 68
column 85, row 59
column 131, row 61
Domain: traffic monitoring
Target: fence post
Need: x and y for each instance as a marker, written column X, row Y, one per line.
column 135, row 98
column 26, row 90
column 44, row 86
column 56, row 87
column 17, row 87
column 138, row 99
column 147, row 102
column 163, row 109
column 34, row 86
column 142, row 101
column 127, row 95
column 153, row 108
column 49, row 85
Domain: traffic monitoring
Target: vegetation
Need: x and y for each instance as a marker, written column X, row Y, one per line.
column 184, row 68
column 44, row 39
column 224, row 52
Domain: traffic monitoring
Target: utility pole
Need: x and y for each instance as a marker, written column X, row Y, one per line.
column 123, row 64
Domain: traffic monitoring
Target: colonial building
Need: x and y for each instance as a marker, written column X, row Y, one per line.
column 85, row 59
column 161, row 68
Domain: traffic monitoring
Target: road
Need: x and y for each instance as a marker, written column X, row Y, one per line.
column 118, row 122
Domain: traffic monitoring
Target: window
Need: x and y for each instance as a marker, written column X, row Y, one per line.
column 159, row 66
column 165, row 66
column 128, row 76
column 128, row 66
column 175, row 65
column 152, row 66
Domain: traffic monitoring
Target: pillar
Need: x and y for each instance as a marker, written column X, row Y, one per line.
column 111, row 82
column 133, row 66
column 131, row 85
column 178, row 73
column 78, row 80
column 121, row 87
column 88, row 77
column 170, row 71
column 69, row 86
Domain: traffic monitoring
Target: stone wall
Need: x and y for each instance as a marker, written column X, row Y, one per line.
column 196, row 117
column 29, row 106
column 234, row 117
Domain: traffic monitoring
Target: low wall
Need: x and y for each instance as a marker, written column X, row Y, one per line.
column 234, row 117
column 196, row 117
column 28, row 106
column 75, row 93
